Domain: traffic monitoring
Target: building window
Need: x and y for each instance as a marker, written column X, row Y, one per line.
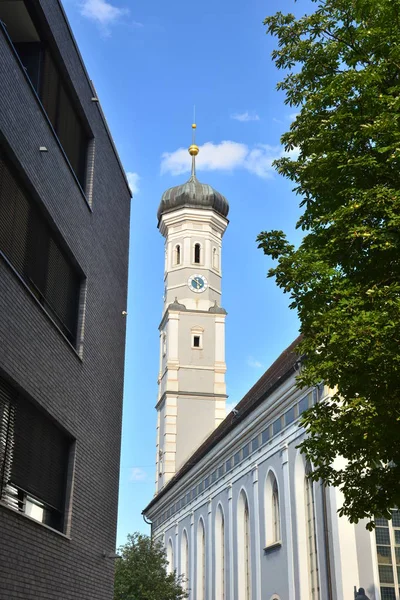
column 197, row 337
column 44, row 74
column 185, row 560
column 387, row 537
column 177, row 255
column 201, row 561
column 170, row 557
column 219, row 554
column 272, row 511
column 164, row 344
column 311, row 535
column 276, row 527
column 29, row 244
column 197, row 253
column 34, row 455
column 244, row 548
column 277, row 426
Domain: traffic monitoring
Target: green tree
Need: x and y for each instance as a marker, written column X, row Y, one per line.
column 141, row 573
column 342, row 72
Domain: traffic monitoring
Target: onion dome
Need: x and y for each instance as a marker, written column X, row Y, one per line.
column 176, row 305
column 193, row 194
column 218, row 310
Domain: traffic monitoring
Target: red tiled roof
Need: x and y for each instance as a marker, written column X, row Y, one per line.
column 280, row 370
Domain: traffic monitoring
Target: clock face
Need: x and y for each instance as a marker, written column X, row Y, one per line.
column 197, row 283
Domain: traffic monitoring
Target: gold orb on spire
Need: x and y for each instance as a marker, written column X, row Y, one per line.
column 193, row 150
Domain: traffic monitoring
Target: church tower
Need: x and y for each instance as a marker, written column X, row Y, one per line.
column 191, row 383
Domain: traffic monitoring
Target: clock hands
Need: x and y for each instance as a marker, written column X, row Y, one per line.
column 197, row 283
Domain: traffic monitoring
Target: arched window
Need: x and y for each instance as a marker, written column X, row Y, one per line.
column 177, row 257
column 215, row 260
column 244, row 548
column 311, row 535
column 219, row 554
column 272, row 510
column 170, row 557
column 276, row 525
column 201, row 561
column 197, row 252
column 185, row 559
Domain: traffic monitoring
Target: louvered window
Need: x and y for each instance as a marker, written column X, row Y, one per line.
column 29, row 244
column 63, row 117
column 34, row 52
column 34, row 456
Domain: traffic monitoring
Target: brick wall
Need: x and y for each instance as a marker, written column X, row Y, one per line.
column 83, row 393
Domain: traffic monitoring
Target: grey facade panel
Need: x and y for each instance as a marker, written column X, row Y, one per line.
column 82, row 393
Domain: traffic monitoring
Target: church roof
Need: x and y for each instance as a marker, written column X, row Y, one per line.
column 193, row 194
column 278, row 372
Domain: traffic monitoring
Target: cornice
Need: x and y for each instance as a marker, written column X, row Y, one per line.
column 196, row 394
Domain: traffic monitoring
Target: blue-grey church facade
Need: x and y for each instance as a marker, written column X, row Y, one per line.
column 236, row 512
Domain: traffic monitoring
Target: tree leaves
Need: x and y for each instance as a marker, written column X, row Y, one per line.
column 141, row 573
column 342, row 68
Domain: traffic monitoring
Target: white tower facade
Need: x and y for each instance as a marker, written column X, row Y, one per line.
column 191, row 382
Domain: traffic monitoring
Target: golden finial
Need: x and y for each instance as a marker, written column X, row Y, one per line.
column 193, row 149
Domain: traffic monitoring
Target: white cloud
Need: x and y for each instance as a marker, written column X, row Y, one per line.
column 133, row 180
column 225, row 156
column 255, row 364
column 212, row 157
column 102, row 12
column 137, row 474
column 245, row 117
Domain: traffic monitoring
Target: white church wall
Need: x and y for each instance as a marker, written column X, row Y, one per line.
column 274, row 559
column 191, row 427
column 251, row 455
column 367, row 561
column 197, row 381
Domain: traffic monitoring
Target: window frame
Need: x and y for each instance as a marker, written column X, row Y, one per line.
column 197, row 248
column 47, row 42
column 12, row 495
column 177, row 256
column 37, row 213
column 392, row 547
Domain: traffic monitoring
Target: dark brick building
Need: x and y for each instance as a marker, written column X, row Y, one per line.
column 64, row 219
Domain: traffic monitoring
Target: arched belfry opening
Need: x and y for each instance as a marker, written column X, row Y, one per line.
column 197, row 254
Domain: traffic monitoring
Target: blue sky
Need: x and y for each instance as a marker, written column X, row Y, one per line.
column 151, row 61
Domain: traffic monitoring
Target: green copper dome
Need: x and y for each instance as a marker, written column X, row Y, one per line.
column 193, row 194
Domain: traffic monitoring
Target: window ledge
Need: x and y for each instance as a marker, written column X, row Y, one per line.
column 273, row 547
column 24, row 516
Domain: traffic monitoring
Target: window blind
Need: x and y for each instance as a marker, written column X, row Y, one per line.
column 30, row 245
column 6, row 434
column 40, row 458
column 63, row 117
column 34, row 454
